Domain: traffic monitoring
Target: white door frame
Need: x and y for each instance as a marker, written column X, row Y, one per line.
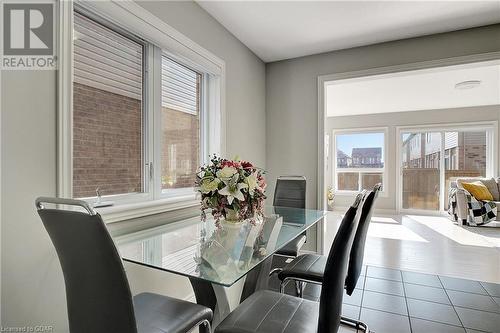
column 324, row 79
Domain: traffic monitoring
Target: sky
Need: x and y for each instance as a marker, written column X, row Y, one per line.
column 346, row 142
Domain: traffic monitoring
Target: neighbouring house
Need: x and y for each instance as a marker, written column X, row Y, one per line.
column 343, row 160
column 463, row 150
column 367, row 157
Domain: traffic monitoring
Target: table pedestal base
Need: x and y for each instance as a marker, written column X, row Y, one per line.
column 222, row 300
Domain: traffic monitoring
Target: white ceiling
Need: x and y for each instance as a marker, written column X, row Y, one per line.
column 277, row 30
column 414, row 90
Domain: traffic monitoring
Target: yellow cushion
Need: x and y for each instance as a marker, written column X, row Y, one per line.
column 478, row 190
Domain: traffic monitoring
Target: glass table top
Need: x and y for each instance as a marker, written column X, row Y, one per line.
column 222, row 255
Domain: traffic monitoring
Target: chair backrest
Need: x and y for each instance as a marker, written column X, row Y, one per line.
column 358, row 246
column 332, row 291
column 290, row 191
column 97, row 291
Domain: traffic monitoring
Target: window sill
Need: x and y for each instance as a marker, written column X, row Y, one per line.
column 134, row 210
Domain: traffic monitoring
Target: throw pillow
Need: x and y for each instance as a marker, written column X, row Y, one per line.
column 492, row 186
column 478, row 190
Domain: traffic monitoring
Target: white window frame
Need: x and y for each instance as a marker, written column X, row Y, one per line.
column 491, row 129
column 360, row 171
column 163, row 39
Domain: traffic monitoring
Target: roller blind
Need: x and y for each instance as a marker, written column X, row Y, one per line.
column 106, row 60
column 179, row 87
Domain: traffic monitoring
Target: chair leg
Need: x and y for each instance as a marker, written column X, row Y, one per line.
column 358, row 325
column 299, row 288
column 282, row 286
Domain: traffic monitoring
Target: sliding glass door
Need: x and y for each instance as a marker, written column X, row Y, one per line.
column 432, row 158
column 420, row 170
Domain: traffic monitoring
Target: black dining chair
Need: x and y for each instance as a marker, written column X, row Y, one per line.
column 309, row 268
column 290, row 192
column 269, row 311
column 97, row 291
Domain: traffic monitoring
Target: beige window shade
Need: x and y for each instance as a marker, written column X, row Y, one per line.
column 106, row 60
column 179, row 87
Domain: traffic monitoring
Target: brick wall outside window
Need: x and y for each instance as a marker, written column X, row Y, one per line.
column 180, row 156
column 180, row 148
column 107, row 142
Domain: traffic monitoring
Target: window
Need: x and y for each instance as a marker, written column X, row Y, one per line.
column 144, row 115
column 108, row 134
column 180, row 125
column 429, row 168
column 420, row 170
column 359, row 159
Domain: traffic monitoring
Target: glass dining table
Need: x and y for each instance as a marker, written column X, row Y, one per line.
column 225, row 264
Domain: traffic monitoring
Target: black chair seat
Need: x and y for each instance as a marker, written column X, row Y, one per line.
column 268, row 311
column 309, row 267
column 160, row 314
column 292, row 249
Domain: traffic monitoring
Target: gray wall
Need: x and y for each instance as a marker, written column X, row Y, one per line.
column 391, row 121
column 32, row 283
column 292, row 94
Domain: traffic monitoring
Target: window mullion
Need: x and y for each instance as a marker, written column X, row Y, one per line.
column 490, row 153
column 156, row 137
column 204, row 151
column 146, row 126
column 442, row 172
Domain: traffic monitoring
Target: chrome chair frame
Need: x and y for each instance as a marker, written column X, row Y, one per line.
column 68, row 202
column 204, row 326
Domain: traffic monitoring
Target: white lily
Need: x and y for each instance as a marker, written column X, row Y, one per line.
column 251, row 181
column 233, row 189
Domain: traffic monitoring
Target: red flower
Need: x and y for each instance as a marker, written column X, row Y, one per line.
column 246, row 165
column 234, row 164
column 262, row 184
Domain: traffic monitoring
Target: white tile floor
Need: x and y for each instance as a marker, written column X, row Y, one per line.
column 429, row 244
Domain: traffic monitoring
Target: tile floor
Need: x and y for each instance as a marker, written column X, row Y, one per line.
column 395, row 301
column 400, row 298
column 428, row 244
